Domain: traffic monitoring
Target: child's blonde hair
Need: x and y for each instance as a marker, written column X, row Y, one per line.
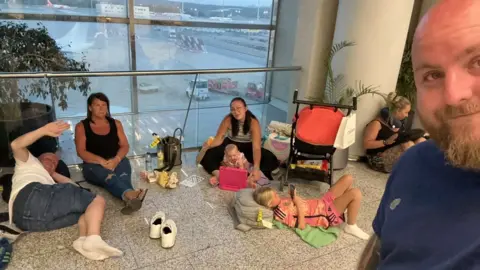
column 230, row 147
column 263, row 196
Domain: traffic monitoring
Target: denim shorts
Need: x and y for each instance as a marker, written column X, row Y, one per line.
column 40, row 207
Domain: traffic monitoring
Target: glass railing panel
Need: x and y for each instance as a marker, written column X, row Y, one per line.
column 160, row 111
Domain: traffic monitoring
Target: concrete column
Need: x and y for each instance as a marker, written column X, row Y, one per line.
column 304, row 37
column 379, row 29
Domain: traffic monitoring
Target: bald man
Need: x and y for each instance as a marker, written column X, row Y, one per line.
column 429, row 216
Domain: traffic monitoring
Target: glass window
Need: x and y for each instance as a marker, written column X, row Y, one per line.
column 199, row 48
column 104, row 47
column 117, row 8
column 204, row 43
column 218, row 11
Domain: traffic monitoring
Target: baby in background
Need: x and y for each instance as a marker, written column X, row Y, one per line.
column 233, row 158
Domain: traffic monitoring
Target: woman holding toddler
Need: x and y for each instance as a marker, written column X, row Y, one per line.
column 242, row 129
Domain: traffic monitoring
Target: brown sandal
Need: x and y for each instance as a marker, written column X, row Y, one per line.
column 134, row 204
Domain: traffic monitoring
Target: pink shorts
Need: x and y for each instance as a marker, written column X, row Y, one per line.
column 333, row 216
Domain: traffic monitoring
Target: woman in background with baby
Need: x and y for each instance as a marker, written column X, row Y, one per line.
column 241, row 128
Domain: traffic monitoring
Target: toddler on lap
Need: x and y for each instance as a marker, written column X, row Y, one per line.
column 233, row 158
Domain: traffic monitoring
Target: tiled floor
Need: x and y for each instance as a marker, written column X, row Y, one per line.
column 206, row 237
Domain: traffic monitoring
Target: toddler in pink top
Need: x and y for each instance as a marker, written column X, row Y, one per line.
column 322, row 212
column 233, row 158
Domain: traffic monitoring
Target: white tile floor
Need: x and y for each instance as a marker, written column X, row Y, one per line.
column 206, row 237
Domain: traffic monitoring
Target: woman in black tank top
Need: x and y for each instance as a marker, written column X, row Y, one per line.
column 102, row 145
column 384, row 138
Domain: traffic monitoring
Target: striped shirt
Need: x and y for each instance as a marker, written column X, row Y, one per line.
column 241, row 137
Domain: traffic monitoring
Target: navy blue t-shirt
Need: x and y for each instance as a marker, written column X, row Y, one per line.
column 429, row 216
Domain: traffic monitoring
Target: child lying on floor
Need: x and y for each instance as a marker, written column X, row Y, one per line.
column 233, row 158
column 322, row 212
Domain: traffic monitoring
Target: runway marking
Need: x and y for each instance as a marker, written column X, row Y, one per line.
column 154, row 120
column 138, row 136
column 149, row 130
column 164, row 130
column 184, row 173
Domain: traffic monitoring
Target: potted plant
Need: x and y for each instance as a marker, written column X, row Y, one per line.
column 24, row 49
column 406, row 82
column 338, row 92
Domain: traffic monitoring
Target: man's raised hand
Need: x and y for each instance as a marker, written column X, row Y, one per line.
column 56, row 128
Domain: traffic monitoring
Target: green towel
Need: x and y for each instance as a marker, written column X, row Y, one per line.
column 314, row 236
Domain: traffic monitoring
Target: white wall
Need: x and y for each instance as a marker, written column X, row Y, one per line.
column 379, row 28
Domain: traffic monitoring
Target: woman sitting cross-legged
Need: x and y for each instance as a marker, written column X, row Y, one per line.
column 385, row 139
column 102, row 145
column 241, row 128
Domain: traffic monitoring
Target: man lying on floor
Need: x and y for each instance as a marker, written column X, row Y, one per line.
column 43, row 202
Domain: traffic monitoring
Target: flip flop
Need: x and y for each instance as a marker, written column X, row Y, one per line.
column 134, row 204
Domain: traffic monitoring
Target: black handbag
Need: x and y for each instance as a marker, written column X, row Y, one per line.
column 172, row 151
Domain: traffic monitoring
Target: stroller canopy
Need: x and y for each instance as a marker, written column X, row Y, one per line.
column 318, row 125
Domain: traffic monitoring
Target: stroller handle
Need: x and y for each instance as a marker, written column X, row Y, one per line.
column 314, row 103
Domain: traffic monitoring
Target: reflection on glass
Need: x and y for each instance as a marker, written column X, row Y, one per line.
column 221, row 11
column 116, row 8
column 104, row 46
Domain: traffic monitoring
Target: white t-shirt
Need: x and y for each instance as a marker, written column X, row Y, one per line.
column 25, row 173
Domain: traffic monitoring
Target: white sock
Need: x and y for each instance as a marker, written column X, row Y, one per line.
column 77, row 245
column 95, row 243
column 356, row 231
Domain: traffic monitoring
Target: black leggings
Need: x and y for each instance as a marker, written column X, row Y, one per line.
column 214, row 156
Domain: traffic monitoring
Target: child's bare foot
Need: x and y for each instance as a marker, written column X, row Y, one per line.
column 213, row 181
column 144, row 175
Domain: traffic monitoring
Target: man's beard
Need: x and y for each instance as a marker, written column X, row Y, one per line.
column 460, row 146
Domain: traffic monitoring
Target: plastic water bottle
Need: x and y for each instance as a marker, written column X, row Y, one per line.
column 160, row 157
column 148, row 162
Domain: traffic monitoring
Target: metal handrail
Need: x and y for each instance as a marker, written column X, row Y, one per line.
column 28, row 75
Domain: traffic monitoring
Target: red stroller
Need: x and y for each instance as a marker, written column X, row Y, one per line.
column 314, row 130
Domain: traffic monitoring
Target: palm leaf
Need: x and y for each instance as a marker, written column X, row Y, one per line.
column 333, row 87
column 336, row 91
column 329, row 95
column 346, row 96
column 338, row 47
